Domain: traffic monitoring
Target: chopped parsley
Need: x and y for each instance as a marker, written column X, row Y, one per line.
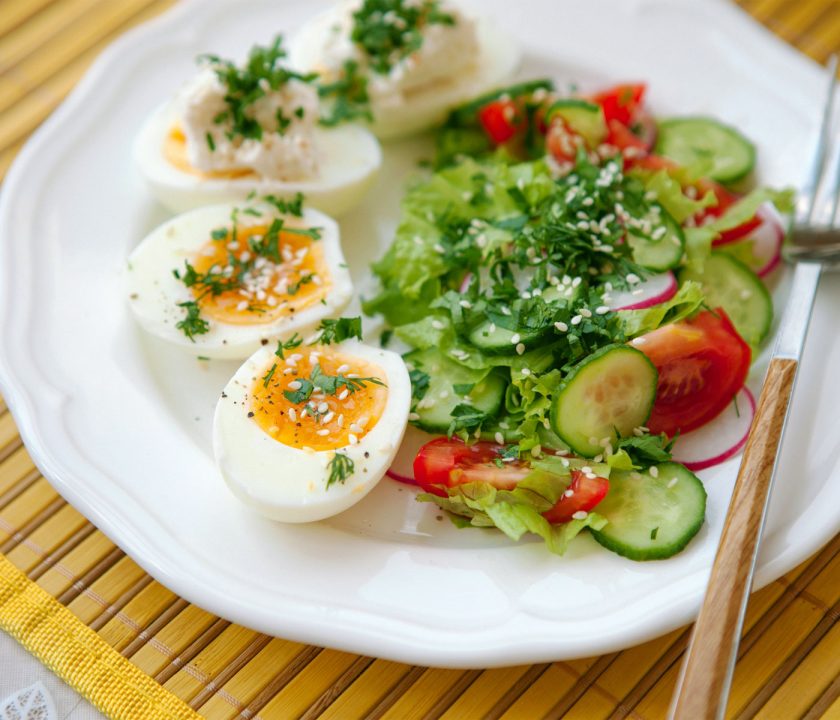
column 328, row 384
column 261, row 73
column 339, row 329
column 341, row 467
column 270, row 374
column 295, row 287
column 419, row 383
column 193, row 324
column 345, row 99
column 287, row 207
column 390, row 30
column 290, row 344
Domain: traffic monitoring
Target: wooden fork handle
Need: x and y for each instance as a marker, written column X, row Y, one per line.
column 710, row 660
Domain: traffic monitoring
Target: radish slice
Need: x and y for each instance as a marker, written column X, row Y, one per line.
column 720, row 439
column 465, row 283
column 402, row 469
column 762, row 250
column 656, row 289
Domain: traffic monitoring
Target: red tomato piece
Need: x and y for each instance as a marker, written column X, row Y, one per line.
column 445, row 463
column 621, row 102
column 584, row 493
column 631, row 146
column 502, row 120
column 702, row 364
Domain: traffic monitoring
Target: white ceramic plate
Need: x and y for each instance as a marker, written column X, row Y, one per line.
column 120, row 423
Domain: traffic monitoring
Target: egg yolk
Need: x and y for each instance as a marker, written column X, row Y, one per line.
column 175, row 153
column 324, row 420
column 267, row 290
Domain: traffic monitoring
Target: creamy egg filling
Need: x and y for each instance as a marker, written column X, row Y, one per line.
column 265, row 275
column 175, row 153
column 318, row 399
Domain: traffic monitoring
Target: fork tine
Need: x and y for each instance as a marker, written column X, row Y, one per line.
column 821, row 156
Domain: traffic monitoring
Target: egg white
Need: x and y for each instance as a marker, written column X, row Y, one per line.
column 290, row 484
column 154, row 293
column 427, row 106
column 349, row 158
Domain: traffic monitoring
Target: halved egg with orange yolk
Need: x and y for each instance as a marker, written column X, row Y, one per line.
column 222, row 280
column 304, row 436
column 348, row 156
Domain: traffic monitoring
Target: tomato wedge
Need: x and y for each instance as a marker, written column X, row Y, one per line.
column 621, row 102
column 444, row 463
column 702, row 364
column 584, row 493
column 562, row 142
column 621, row 137
column 502, row 120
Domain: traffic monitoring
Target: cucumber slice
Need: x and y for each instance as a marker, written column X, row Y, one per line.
column 664, row 252
column 465, row 115
column 585, row 118
column 730, row 284
column 610, row 391
column 494, row 340
column 720, row 151
column 651, row 518
column 447, row 381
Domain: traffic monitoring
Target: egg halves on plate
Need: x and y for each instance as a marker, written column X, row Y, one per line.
column 221, row 280
column 305, row 436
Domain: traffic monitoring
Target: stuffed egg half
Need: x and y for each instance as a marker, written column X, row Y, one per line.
column 220, row 281
column 234, row 130
column 438, row 56
column 304, row 436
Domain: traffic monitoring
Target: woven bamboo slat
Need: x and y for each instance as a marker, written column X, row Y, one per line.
column 789, row 663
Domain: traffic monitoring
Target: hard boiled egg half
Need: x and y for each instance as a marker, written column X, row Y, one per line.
column 447, row 57
column 306, row 435
column 220, row 281
column 235, row 130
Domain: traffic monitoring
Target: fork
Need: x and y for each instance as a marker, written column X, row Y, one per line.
column 703, row 687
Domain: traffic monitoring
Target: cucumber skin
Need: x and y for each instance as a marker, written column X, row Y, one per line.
column 529, row 339
column 597, row 355
column 663, row 553
column 677, row 253
column 729, row 179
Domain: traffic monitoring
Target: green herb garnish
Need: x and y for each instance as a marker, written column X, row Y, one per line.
column 341, row 467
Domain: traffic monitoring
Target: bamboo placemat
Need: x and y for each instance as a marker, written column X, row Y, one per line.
column 789, row 664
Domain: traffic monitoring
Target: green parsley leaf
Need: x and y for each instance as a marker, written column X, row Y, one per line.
column 193, row 324
column 270, row 374
column 290, row 344
column 339, row 330
column 341, row 467
column 300, row 395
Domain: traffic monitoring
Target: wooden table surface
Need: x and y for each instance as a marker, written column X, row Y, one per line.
column 789, row 665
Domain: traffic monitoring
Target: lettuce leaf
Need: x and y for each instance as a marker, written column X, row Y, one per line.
column 518, row 511
column 687, row 300
column 670, row 195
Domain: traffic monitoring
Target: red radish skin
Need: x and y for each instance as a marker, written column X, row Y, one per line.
column 400, row 478
column 719, row 440
column 402, row 469
column 465, row 283
column 656, row 289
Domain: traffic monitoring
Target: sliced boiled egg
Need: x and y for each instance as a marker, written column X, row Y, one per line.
column 454, row 61
column 305, row 436
column 235, row 131
column 222, row 280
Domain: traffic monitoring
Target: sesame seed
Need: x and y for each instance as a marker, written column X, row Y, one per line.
column 343, row 394
column 639, row 340
column 328, row 417
column 576, row 320
column 340, row 421
column 672, row 482
column 324, row 432
column 413, row 416
column 466, row 304
column 520, row 349
column 576, row 282
column 526, row 372
column 438, row 325
column 586, row 469
column 292, row 414
column 515, row 338
column 354, row 428
column 294, row 385
column 580, row 515
column 499, row 438
column 443, row 394
column 601, row 310
column 505, row 310
column 323, row 408
column 569, row 493
column 561, row 326
column 242, row 306
column 632, row 278
column 343, row 369
column 586, row 312
column 564, row 462
column 353, row 439
column 654, row 471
